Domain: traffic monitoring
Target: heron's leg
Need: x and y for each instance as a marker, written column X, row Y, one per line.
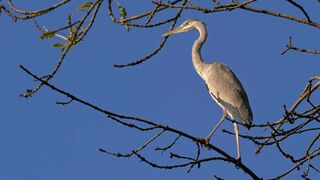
column 236, row 131
column 216, row 127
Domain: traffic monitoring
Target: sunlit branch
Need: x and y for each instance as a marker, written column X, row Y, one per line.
column 289, row 46
column 281, row 15
column 30, row 14
column 136, row 17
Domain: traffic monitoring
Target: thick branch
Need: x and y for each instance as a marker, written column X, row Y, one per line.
column 229, row 158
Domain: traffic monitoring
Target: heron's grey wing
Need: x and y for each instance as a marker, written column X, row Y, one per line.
column 226, row 88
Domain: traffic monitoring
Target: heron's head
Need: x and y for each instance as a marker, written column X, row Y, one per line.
column 187, row 25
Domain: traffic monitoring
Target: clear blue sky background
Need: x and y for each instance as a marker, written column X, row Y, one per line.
column 41, row 140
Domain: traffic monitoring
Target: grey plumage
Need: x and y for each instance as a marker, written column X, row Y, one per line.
column 223, row 85
column 227, row 90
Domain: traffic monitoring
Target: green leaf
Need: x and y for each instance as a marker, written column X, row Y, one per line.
column 59, row 44
column 123, row 12
column 85, row 6
column 47, row 35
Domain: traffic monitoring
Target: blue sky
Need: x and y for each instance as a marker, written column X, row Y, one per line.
column 42, row 140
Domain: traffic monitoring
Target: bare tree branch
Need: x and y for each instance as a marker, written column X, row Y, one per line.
column 29, row 14
column 226, row 157
column 291, row 47
column 302, row 117
column 141, row 60
column 301, row 8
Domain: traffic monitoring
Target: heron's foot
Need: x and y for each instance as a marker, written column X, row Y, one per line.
column 238, row 162
column 204, row 141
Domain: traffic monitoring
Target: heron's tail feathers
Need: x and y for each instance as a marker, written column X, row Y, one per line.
column 245, row 116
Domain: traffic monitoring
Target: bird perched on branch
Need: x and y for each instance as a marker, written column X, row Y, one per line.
column 222, row 84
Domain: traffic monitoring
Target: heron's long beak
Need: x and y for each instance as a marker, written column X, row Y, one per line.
column 171, row 32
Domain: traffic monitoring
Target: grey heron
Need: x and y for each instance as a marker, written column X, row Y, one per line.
column 222, row 84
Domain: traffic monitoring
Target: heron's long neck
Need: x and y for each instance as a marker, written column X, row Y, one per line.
column 196, row 49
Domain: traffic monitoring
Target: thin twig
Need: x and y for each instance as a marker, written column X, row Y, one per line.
column 30, row 14
column 66, row 49
column 147, row 57
column 289, row 46
column 168, row 146
column 127, row 155
column 65, row 102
